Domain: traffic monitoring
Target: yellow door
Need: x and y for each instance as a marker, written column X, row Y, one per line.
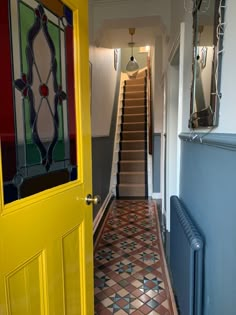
column 46, row 254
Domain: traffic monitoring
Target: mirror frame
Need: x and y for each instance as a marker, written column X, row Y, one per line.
column 209, row 115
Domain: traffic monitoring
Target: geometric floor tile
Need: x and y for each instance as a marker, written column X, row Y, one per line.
column 148, row 256
column 130, row 273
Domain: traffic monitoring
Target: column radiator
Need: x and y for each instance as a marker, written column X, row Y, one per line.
column 186, row 260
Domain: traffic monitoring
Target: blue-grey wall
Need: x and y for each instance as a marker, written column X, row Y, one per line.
column 156, row 162
column 208, row 189
column 102, row 154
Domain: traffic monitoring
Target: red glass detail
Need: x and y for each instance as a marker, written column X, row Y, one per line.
column 37, row 13
column 45, row 19
column 43, row 90
column 7, row 130
column 25, row 92
column 70, row 93
column 24, row 78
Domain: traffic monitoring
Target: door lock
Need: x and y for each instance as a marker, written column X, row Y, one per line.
column 94, row 200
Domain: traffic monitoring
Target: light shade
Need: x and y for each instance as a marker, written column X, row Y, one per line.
column 132, row 68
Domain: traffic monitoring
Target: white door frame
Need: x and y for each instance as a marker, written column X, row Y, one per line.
column 173, row 118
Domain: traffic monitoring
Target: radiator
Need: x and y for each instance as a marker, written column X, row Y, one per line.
column 186, row 260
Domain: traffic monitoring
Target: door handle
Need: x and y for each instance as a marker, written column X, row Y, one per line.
column 94, row 200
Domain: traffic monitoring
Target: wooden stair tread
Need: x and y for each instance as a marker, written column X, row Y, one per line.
column 128, row 141
column 143, row 84
column 134, row 102
column 133, row 150
column 138, row 106
column 133, row 185
column 132, row 173
column 133, row 131
column 131, row 161
column 136, row 98
column 133, row 123
column 138, row 114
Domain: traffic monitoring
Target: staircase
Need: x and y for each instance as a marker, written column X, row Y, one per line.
column 132, row 165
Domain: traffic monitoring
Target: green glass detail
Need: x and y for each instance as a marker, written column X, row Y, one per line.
column 32, row 155
column 26, row 21
column 54, row 32
column 60, row 116
column 59, row 150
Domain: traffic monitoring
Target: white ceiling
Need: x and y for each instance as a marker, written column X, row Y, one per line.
column 115, row 33
column 111, row 20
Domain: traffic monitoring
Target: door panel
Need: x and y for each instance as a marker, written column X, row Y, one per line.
column 46, row 253
column 24, row 287
column 71, row 267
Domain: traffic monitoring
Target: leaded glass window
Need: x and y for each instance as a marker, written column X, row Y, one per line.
column 38, row 122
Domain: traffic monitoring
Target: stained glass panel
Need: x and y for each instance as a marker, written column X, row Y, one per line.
column 38, row 136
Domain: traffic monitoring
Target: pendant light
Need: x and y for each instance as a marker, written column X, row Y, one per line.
column 132, row 66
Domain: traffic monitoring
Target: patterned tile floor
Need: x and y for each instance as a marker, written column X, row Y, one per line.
column 130, row 270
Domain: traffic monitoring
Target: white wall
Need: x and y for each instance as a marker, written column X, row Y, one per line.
column 186, row 71
column 177, row 67
column 103, row 89
column 177, row 16
column 171, row 135
column 181, row 14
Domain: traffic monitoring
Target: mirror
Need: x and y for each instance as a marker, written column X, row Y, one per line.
column 208, row 31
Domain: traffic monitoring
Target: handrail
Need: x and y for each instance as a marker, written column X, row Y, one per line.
column 149, row 107
column 116, row 145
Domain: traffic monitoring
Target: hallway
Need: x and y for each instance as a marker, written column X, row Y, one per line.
column 131, row 276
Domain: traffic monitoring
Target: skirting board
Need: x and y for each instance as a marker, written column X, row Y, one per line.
column 156, row 196
column 101, row 211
